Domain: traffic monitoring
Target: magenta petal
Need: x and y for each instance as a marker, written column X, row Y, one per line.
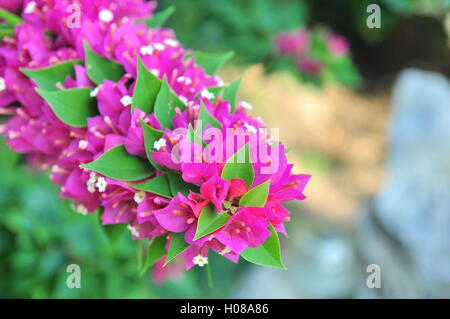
column 176, row 216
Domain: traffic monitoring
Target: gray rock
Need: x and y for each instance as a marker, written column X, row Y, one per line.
column 407, row 231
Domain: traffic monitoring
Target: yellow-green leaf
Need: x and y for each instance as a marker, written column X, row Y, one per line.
column 72, row 106
column 118, row 164
column 268, row 254
column 209, row 221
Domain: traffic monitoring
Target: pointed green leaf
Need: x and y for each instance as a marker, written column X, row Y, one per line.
column 159, row 18
column 209, row 221
column 257, row 196
column 146, row 89
column 10, row 18
column 156, row 251
column 178, row 185
column 151, row 135
column 211, row 62
column 192, row 136
column 206, row 118
column 47, row 78
column 100, row 69
column 230, row 93
column 158, row 185
column 267, row 254
column 216, row 90
column 113, row 232
column 72, row 106
column 118, row 164
column 177, row 246
column 165, row 105
column 240, row 166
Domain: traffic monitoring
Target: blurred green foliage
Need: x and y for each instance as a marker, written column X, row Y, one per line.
column 247, row 27
column 40, row 236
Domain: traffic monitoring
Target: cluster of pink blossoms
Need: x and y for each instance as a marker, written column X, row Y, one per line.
column 297, row 44
column 113, row 30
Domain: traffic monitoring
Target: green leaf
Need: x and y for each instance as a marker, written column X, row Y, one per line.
column 267, row 254
column 211, row 62
column 156, row 251
column 100, row 69
column 165, row 104
column 178, row 185
column 177, row 246
column 206, row 118
column 146, row 89
column 113, row 231
column 151, row 135
column 159, row 18
column 118, row 164
column 257, row 196
column 47, row 78
column 192, row 136
column 10, row 18
column 209, row 221
column 72, row 106
column 216, row 90
column 6, row 31
column 230, row 93
column 233, row 168
column 157, row 185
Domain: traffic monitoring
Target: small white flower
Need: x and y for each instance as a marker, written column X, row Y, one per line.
column 207, row 94
column 83, row 144
column 171, row 42
column 159, row 143
column 94, row 92
column 180, row 79
column 2, row 84
column 246, row 105
column 13, row 134
column 90, row 184
column 187, row 81
column 80, row 209
column 159, row 46
column 219, row 80
column 133, row 231
column 101, row 184
column 105, row 15
column 139, row 197
column 31, row 6
column 250, row 128
column 200, row 260
column 155, row 72
column 126, row 100
column 146, row 50
column 184, row 100
column 270, row 141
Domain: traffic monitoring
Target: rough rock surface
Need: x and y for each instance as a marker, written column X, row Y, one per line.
column 407, row 229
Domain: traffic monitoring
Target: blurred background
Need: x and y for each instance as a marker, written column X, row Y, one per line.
column 366, row 111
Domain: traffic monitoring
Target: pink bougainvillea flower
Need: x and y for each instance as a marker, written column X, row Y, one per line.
column 338, row 45
column 244, row 229
column 184, row 175
column 292, row 43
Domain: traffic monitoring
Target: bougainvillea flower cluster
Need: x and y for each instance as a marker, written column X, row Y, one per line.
column 317, row 53
column 139, row 129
